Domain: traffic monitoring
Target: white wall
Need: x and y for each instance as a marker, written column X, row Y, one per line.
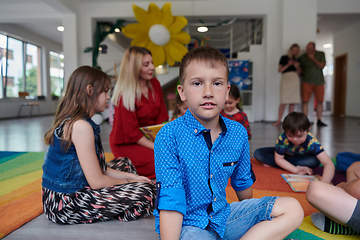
column 114, row 55
column 347, row 41
column 338, row 6
column 9, row 107
column 270, row 10
column 297, row 27
column 285, row 22
column 256, row 55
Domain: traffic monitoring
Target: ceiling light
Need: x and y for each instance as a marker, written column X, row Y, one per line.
column 202, row 29
column 117, row 30
column 61, row 56
column 327, row 45
column 60, row 28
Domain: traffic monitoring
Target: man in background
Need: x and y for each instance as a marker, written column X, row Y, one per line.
column 312, row 62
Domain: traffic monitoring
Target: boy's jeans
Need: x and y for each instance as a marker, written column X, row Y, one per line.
column 243, row 216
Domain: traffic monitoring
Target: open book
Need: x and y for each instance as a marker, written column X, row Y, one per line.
column 151, row 131
column 299, row 183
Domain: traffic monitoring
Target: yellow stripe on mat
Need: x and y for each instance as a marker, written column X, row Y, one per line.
column 21, row 192
column 309, row 227
column 12, row 184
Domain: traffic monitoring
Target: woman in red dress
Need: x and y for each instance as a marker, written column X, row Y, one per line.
column 138, row 101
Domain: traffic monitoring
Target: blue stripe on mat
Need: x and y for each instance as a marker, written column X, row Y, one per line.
column 6, row 156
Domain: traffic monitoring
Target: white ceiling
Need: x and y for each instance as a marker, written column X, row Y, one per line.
column 328, row 24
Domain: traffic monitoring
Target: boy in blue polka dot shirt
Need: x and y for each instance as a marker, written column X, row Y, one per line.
column 197, row 153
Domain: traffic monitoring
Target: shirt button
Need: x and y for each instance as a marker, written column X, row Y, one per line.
column 195, row 131
column 210, row 216
column 214, row 199
column 211, row 176
column 212, row 151
column 232, row 164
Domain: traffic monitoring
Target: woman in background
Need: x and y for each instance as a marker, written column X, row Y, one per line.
column 290, row 82
column 138, row 101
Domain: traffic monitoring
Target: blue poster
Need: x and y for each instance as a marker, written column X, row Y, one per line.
column 239, row 74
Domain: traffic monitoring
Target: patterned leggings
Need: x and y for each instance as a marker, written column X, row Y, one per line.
column 125, row 202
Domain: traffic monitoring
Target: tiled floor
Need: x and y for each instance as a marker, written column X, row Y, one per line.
column 341, row 134
column 26, row 134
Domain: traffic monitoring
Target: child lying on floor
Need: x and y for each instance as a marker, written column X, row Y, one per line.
column 297, row 150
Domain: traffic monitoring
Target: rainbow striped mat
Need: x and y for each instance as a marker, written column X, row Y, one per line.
column 20, row 193
column 20, row 189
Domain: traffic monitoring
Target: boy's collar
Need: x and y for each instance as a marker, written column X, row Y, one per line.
column 197, row 127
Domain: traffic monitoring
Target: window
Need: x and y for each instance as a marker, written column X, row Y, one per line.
column 3, row 47
column 19, row 67
column 56, row 73
column 33, row 73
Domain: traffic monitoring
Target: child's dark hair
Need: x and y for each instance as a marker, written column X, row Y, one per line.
column 207, row 55
column 296, row 121
column 178, row 102
column 235, row 93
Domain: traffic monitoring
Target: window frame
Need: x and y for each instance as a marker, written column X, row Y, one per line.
column 24, row 43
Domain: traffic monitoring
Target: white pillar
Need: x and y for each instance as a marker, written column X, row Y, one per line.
column 299, row 26
column 70, row 45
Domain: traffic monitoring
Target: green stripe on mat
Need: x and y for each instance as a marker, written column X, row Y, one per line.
column 21, row 160
column 300, row 234
column 31, row 167
column 12, row 184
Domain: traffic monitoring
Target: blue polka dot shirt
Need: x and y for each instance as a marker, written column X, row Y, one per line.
column 191, row 179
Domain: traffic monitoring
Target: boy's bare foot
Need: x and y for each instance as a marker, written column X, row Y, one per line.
column 275, row 124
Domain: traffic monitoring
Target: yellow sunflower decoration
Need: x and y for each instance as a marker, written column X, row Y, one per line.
column 160, row 32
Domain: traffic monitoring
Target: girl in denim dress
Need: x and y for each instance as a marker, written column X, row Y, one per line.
column 78, row 185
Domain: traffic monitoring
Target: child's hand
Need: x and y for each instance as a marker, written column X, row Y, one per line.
column 140, row 179
column 302, row 170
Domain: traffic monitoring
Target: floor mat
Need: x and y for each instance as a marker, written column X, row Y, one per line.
column 20, row 188
column 20, row 193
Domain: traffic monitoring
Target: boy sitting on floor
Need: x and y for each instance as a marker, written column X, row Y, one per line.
column 196, row 154
column 297, row 150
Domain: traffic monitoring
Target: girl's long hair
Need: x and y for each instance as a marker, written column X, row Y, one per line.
column 127, row 85
column 235, row 93
column 77, row 103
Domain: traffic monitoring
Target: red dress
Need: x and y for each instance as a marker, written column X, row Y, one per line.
column 125, row 132
column 241, row 118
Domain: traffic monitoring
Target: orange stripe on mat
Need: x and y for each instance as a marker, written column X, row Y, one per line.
column 21, row 192
column 16, row 213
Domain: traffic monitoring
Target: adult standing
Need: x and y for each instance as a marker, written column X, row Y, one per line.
column 312, row 62
column 290, row 82
column 138, row 101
